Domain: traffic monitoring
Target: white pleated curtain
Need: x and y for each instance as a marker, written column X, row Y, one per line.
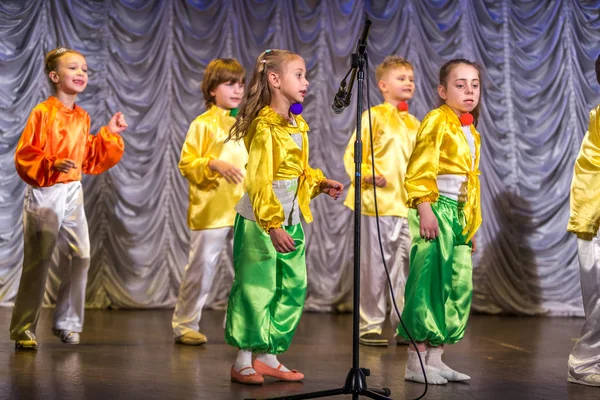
column 147, row 59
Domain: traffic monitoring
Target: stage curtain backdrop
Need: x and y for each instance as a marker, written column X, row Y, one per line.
column 147, row 59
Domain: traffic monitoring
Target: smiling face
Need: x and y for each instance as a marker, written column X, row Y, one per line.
column 293, row 81
column 71, row 74
column 462, row 89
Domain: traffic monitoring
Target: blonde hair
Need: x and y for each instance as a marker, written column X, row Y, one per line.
column 52, row 57
column 258, row 94
column 220, row 70
column 390, row 63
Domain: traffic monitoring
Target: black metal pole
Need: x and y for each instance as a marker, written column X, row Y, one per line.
column 358, row 147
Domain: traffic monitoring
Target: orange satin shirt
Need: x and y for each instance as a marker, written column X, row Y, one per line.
column 54, row 131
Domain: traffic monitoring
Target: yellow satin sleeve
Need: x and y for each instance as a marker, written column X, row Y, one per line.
column 211, row 198
column 365, row 167
column 423, row 165
column 260, row 173
column 195, row 155
column 585, row 186
column 314, row 178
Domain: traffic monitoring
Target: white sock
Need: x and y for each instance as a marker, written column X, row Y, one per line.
column 414, row 372
column 272, row 361
column 244, row 360
column 434, row 360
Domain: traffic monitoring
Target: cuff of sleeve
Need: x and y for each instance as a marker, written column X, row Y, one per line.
column 366, row 169
column 51, row 171
column 272, row 226
column 318, row 181
column 582, row 226
column 53, row 175
column 111, row 136
column 51, row 160
column 430, row 198
column 318, row 177
column 209, row 173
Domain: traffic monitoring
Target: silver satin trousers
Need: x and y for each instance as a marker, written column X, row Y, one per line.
column 584, row 359
column 53, row 216
column 205, row 249
column 374, row 290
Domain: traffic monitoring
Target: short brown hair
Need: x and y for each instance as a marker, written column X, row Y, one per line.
column 389, row 63
column 220, row 70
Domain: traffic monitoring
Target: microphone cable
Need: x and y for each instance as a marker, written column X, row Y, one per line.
column 387, row 273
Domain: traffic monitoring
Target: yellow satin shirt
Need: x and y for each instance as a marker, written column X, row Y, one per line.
column 211, row 197
column 585, row 187
column 394, row 137
column 55, row 131
column 273, row 155
column 442, row 148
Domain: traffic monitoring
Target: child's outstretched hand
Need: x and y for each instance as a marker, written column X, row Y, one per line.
column 332, row 188
column 282, row 241
column 117, row 123
column 226, row 170
column 63, row 165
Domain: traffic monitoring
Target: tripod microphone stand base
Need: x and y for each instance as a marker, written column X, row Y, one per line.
column 356, row 385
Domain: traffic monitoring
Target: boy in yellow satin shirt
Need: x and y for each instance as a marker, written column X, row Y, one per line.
column 583, row 367
column 214, row 171
column 394, row 136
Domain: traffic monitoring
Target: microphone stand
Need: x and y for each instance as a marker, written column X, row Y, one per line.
column 356, row 381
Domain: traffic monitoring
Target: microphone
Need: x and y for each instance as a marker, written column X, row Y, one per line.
column 339, row 99
column 342, row 97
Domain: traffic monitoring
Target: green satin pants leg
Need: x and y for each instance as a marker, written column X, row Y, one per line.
column 439, row 288
column 458, row 305
column 268, row 291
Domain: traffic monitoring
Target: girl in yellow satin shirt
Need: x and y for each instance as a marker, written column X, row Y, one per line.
column 269, row 288
column 583, row 367
column 443, row 193
column 213, row 169
column 394, row 137
column 55, row 149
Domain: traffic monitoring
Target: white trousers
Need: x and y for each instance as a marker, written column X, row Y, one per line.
column 53, row 216
column 374, row 290
column 584, row 359
column 205, row 251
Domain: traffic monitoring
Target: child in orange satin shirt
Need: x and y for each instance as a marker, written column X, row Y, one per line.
column 55, row 149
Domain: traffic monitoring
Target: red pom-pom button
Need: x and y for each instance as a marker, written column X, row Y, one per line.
column 403, row 106
column 466, row 119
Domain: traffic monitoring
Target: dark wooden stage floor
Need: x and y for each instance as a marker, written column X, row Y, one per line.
column 131, row 355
